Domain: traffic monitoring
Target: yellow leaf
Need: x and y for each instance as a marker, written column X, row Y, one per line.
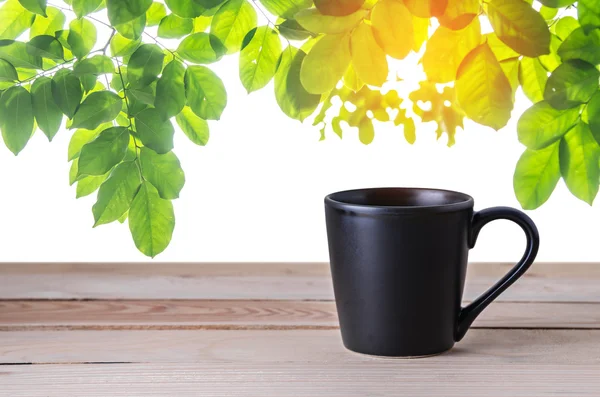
column 420, row 32
column 392, row 25
column 426, row 8
column 312, row 20
column 368, row 59
column 459, row 13
column 511, row 70
column 482, row 89
column 351, row 79
column 326, row 63
column 447, row 48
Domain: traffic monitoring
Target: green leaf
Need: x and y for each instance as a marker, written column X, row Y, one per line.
column 96, row 65
column 579, row 155
column 120, row 12
column 35, row 6
column 16, row 118
column 49, row 25
column 532, row 77
column 170, row 89
column 103, row 153
column 154, row 130
column 163, row 171
column 185, row 8
column 195, row 128
column 593, row 111
column 117, row 193
column 89, row 184
column 210, row 4
column 85, row 7
column 552, row 60
column 47, row 114
column 312, row 20
column 172, row 27
column 121, row 46
column 572, row 83
column 123, row 217
column 580, row 45
column 133, row 29
column 519, row 26
column 285, row 8
column 151, row 220
column 66, row 90
column 292, row 30
column 483, row 90
column 89, row 82
column 155, row 13
column 16, row 53
column 291, row 96
column 232, row 22
column 201, row 48
column 447, row 48
column 536, row 176
column 258, row 58
column 139, row 99
column 15, row 19
column 542, row 125
column 82, row 37
column 201, row 23
column 145, row 65
column 588, row 14
column 326, row 63
column 82, row 136
column 564, row 27
column 557, row 3
column 45, row 46
column 97, row 108
column 205, row 92
column 7, row 71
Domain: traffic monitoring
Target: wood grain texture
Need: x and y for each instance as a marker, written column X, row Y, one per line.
column 251, row 314
column 298, row 347
column 548, row 282
column 373, row 379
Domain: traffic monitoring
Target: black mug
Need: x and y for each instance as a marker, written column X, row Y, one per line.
column 398, row 262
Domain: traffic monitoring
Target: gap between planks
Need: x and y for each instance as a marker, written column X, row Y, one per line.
column 547, row 282
column 253, row 314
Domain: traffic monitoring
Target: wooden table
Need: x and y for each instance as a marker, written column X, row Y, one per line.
column 183, row 329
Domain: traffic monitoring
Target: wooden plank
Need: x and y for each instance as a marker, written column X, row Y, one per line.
column 480, row 348
column 564, row 282
column 384, row 378
column 248, row 314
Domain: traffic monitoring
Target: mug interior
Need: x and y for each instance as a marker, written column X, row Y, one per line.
column 401, row 198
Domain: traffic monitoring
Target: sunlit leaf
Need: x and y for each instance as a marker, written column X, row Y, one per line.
column 331, row 57
column 82, row 37
column 163, row 171
column 116, row 193
column 144, row 65
column 292, row 30
column 426, row 8
column 366, row 132
column 8, row 73
column 47, row 115
column 15, row 19
column 45, row 46
column 16, row 118
column 49, row 25
column 579, row 155
column 66, row 91
column 172, row 27
column 103, row 153
column 536, row 176
column 459, row 13
column 291, row 96
column 170, row 89
column 155, row 14
column 482, row 89
column 35, row 6
column 285, row 8
column 133, row 29
column 82, row 136
column 533, row 78
column 588, row 13
column 368, row 59
column 84, row 7
column 96, row 65
column 205, row 92
column 519, row 26
column 572, row 83
column 151, row 220
column 552, row 60
column 185, row 8
column 89, row 184
column 154, row 130
column 393, row 27
column 195, row 128
column 338, row 8
column 351, row 79
column 557, row 3
column 97, row 108
column 579, row 45
column 447, row 48
column 201, row 23
column 564, row 27
column 542, row 125
column 593, row 112
column 232, row 22
column 120, row 12
column 312, row 20
column 258, row 58
column 420, row 32
column 121, row 46
column 201, row 48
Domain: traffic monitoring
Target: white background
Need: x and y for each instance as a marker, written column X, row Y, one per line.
column 255, row 192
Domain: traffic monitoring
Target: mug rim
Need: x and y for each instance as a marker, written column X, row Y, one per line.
column 465, row 203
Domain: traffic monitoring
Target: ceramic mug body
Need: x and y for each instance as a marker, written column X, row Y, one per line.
column 398, row 262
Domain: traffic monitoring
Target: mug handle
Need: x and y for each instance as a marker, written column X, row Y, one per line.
column 468, row 314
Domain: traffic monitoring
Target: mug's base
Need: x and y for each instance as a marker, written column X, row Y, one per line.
column 401, row 357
